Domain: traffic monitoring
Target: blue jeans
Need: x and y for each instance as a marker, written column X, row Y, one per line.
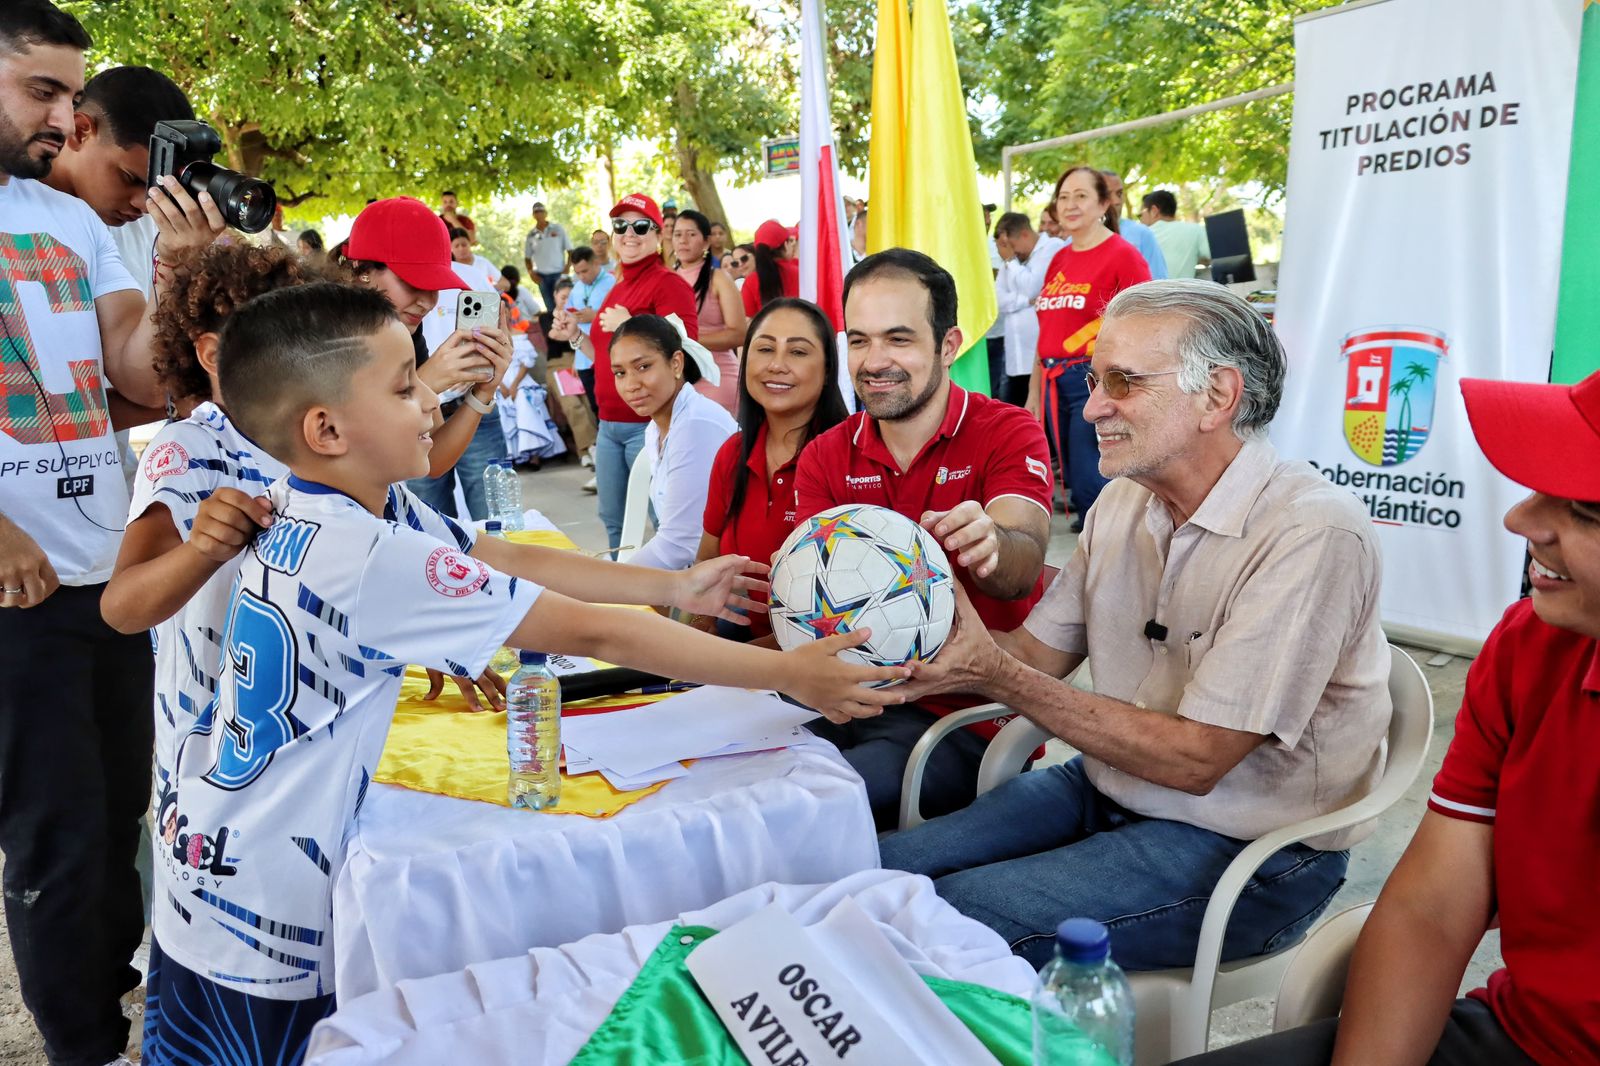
column 1075, row 442
column 878, row 748
column 1047, row 846
column 616, row 446
column 487, row 444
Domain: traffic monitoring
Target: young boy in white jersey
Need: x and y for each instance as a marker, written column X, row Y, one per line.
column 341, row 591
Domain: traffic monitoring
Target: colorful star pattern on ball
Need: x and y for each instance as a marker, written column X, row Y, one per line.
column 825, row 531
column 828, row 617
column 914, row 574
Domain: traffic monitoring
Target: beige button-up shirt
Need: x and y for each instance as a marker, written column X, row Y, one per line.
column 1269, row 595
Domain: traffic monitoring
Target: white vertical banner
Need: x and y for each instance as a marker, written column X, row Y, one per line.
column 1427, row 174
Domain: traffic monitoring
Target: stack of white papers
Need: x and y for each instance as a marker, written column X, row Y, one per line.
column 642, row 745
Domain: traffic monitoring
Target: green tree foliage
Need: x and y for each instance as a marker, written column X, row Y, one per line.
column 343, row 100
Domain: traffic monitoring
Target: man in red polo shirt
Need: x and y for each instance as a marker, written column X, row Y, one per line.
column 1511, row 826
column 974, row 471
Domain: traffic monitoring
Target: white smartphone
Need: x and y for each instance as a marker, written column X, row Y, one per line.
column 477, row 310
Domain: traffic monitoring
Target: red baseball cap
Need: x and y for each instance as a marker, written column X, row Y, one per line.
column 1543, row 437
column 407, row 237
column 773, row 233
column 638, row 201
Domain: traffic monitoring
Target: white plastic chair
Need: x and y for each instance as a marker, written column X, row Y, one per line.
column 1313, row 983
column 636, row 511
column 1173, row 1015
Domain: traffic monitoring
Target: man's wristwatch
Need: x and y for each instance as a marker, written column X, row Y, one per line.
column 478, row 405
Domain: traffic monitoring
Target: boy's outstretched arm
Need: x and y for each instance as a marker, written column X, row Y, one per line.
column 814, row 675
column 157, row 571
column 714, row 587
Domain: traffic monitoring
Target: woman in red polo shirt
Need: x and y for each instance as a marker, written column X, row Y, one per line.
column 776, row 274
column 1095, row 265
column 645, row 286
column 788, row 395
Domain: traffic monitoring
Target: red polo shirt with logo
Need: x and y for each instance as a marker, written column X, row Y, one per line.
column 1526, row 760
column 644, row 288
column 983, row 450
column 766, row 514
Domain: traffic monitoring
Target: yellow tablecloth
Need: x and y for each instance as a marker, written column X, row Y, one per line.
column 439, row 746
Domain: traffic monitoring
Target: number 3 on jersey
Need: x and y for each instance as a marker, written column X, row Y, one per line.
column 261, row 648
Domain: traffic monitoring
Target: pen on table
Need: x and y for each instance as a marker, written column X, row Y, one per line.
column 670, row 686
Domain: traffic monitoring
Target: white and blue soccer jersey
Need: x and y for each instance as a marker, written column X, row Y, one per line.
column 185, row 463
column 329, row 606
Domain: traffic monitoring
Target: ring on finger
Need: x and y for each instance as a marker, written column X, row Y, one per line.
column 13, row 592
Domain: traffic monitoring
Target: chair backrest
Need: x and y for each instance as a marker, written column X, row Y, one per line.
column 636, row 511
column 1410, row 726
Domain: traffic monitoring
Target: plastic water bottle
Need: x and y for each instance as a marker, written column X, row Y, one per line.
column 491, row 488
column 1083, row 1006
column 533, row 734
column 504, row 661
column 510, row 510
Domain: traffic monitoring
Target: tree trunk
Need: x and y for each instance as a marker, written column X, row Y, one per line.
column 700, row 183
column 611, row 170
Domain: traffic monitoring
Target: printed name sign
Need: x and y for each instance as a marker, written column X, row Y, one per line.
column 784, row 1002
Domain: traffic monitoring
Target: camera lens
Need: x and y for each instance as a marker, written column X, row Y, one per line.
column 246, row 204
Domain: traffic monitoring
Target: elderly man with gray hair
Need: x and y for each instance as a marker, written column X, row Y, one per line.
column 1227, row 602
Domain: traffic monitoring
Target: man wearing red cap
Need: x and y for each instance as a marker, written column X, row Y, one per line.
column 1511, row 830
column 777, row 273
column 645, row 286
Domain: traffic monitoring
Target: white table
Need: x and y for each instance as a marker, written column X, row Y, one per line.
column 541, row 1006
column 433, row 884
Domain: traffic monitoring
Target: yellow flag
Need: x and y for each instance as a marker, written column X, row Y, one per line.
column 924, row 180
column 891, row 78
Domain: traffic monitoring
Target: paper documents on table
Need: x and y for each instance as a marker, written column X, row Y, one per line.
column 707, row 721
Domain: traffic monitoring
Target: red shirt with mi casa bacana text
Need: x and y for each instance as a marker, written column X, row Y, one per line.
column 1077, row 287
column 1526, row 760
column 983, row 450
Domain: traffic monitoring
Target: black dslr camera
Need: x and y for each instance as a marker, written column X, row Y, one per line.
column 184, row 149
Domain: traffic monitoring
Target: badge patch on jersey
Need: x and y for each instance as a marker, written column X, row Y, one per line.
column 164, row 460
column 1037, row 467
column 453, row 574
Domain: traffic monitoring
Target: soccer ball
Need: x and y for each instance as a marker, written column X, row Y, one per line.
column 863, row 567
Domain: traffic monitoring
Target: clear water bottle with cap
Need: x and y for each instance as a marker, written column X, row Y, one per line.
column 504, row 661
column 509, row 510
column 1083, row 1006
column 493, row 489
column 533, row 733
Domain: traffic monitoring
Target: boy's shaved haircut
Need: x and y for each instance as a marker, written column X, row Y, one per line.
column 288, row 350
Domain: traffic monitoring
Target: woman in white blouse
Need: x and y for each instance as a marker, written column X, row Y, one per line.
column 656, row 365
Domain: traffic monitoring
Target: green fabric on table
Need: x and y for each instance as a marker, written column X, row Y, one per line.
column 664, row 1020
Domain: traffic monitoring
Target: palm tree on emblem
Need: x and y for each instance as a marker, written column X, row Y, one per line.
column 1415, row 373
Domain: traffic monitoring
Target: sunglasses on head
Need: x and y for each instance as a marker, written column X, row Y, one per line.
column 640, row 226
column 1117, row 383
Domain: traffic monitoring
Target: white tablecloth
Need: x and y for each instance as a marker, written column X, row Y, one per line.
column 543, row 1005
column 433, row 884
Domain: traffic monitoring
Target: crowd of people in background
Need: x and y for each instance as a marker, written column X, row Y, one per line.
column 357, row 390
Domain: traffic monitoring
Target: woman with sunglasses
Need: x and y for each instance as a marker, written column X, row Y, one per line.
column 722, row 320
column 402, row 249
column 788, row 395
column 739, row 263
column 777, row 273
column 644, row 287
column 1081, row 279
